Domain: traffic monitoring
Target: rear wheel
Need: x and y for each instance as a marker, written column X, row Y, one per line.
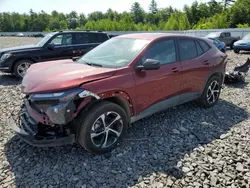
column 102, row 127
column 211, row 92
column 20, row 68
column 236, row 51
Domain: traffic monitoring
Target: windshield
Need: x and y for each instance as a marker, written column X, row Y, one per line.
column 114, row 53
column 44, row 39
column 213, row 35
column 247, row 37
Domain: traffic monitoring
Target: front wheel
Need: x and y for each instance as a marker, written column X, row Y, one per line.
column 211, row 92
column 102, row 127
column 20, row 68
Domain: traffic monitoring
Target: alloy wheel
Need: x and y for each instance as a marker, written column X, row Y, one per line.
column 106, row 129
column 22, row 68
column 213, row 92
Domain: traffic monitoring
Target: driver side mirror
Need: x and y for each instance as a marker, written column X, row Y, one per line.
column 149, row 64
column 51, row 46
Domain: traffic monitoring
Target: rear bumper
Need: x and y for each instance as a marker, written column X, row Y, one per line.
column 28, row 131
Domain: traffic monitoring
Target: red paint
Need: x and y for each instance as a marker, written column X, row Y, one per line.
column 139, row 89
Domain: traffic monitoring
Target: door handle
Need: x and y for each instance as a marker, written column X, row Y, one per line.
column 175, row 69
column 206, row 62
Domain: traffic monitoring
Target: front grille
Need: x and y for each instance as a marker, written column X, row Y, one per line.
column 28, row 123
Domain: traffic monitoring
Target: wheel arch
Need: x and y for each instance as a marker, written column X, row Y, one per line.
column 213, row 73
column 20, row 59
column 118, row 97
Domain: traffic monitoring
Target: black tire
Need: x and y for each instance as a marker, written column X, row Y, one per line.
column 204, row 100
column 16, row 70
column 232, row 45
column 85, row 123
column 236, row 51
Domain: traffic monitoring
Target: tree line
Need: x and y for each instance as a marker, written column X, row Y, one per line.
column 211, row 15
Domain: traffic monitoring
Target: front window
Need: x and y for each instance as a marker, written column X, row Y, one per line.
column 114, row 53
column 247, row 37
column 63, row 39
column 45, row 39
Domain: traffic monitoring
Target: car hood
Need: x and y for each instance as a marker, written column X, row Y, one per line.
column 61, row 75
column 242, row 42
column 18, row 48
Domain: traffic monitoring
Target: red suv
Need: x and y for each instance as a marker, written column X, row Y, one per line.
column 93, row 100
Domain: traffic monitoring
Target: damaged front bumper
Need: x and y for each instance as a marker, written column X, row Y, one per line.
column 46, row 119
column 37, row 134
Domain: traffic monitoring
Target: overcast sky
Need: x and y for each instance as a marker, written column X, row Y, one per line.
column 83, row 6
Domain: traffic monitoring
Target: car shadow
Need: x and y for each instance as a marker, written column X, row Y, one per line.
column 152, row 145
column 240, row 85
column 245, row 52
column 8, row 80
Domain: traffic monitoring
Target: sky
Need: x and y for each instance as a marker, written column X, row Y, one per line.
column 84, row 6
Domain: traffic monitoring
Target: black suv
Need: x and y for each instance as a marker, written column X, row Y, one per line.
column 54, row 46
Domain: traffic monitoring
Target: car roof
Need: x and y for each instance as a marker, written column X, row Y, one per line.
column 154, row 36
column 80, row 31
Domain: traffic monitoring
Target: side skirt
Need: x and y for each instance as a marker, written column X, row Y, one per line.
column 168, row 103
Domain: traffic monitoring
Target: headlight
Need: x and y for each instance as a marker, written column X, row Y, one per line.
column 6, row 56
column 61, row 96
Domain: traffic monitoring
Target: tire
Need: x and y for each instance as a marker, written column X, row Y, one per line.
column 93, row 121
column 232, row 45
column 206, row 100
column 236, row 51
column 223, row 50
column 21, row 67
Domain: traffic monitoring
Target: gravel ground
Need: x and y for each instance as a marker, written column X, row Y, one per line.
column 185, row 146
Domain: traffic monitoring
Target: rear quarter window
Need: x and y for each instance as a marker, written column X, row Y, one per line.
column 205, row 47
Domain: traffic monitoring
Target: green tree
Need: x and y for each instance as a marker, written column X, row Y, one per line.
column 153, row 7
column 137, row 12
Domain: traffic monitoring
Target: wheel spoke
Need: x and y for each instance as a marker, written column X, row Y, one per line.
column 118, row 117
column 216, row 91
column 103, row 118
column 106, row 139
column 213, row 98
column 93, row 135
column 115, row 132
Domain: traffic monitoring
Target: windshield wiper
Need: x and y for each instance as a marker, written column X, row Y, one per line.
column 93, row 64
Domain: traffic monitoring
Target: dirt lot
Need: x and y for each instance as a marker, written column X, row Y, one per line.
column 184, row 146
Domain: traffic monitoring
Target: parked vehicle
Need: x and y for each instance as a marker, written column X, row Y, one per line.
column 93, row 100
column 54, row 46
column 220, row 45
column 225, row 37
column 243, row 44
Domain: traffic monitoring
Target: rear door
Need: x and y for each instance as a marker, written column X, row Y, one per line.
column 159, row 87
column 196, row 64
column 63, row 48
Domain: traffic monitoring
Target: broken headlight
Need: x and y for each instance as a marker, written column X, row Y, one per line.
column 42, row 101
column 57, row 106
column 60, row 96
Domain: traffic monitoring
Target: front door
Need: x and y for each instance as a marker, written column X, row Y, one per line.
column 63, row 48
column 158, row 89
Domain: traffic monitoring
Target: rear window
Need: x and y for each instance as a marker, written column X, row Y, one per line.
column 187, row 49
column 86, row 38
